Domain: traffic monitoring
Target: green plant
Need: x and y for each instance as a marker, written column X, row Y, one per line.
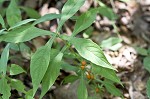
column 46, row 62
column 146, row 63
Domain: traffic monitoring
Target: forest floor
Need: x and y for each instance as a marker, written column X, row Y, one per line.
column 131, row 26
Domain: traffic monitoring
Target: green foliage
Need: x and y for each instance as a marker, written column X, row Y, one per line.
column 53, row 70
column 21, row 23
column 141, row 51
column 31, row 12
column 70, row 79
column 84, row 21
column 82, row 90
column 2, row 22
column 108, row 43
column 107, row 12
column 107, row 73
column 39, row 64
column 68, row 10
column 13, row 13
column 47, row 17
column 148, row 88
column 125, row 0
column 90, row 51
column 4, row 60
column 16, row 69
column 146, row 63
column 46, row 62
column 4, row 88
column 111, row 88
column 23, row 33
column 18, row 85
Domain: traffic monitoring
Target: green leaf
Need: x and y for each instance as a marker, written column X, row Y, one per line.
column 21, row 23
column 2, row 31
column 5, row 88
column 23, row 34
column 2, row 22
column 4, row 59
column 146, row 63
column 141, row 51
column 31, row 12
column 13, row 13
column 20, row 47
column 116, row 47
column 16, row 69
column 148, row 88
column 88, row 32
column 110, row 42
column 39, row 64
column 84, row 21
column 29, row 94
column 68, row 67
column 148, row 51
column 51, row 74
column 82, row 90
column 124, row 0
column 105, row 72
column 70, row 79
column 107, row 12
column 18, row 85
column 68, row 10
column 91, row 51
column 47, row 17
column 111, row 88
column 1, row 1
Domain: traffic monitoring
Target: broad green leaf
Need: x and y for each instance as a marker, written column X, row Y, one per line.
column 31, row 12
column 82, row 90
column 23, row 34
column 51, row 74
column 13, row 13
column 141, row 51
column 2, row 22
column 5, row 88
column 90, row 51
column 21, row 23
column 18, row 85
column 84, row 21
column 4, row 59
column 105, row 72
column 47, row 17
column 70, row 79
column 39, row 64
column 110, row 42
column 107, row 12
column 16, row 69
column 68, row 67
column 148, row 88
column 146, row 63
column 111, row 88
column 68, row 10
